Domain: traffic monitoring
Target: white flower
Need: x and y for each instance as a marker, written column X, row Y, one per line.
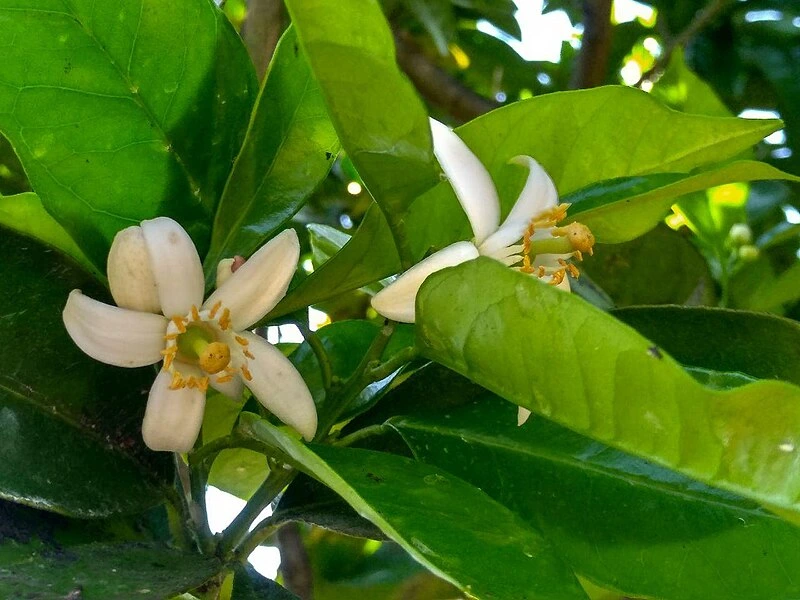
column 157, row 281
column 528, row 231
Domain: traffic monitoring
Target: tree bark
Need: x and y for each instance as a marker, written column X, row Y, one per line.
column 592, row 64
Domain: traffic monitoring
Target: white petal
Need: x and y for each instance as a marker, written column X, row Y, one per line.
column 176, row 266
column 538, row 195
column 259, row 284
column 470, row 180
column 232, row 389
column 279, row 387
column 397, row 300
column 172, row 418
column 115, row 336
column 130, row 274
column 224, row 271
column 522, row 416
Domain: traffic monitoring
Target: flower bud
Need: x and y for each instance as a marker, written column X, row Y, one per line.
column 740, row 234
column 748, row 253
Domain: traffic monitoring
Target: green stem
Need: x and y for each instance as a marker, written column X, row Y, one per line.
column 319, row 351
column 261, row 533
column 209, row 451
column 396, row 361
column 356, row 382
column 359, row 435
column 233, row 535
column 188, row 510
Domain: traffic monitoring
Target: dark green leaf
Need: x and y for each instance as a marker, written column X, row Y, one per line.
column 759, row 345
column 452, row 528
column 661, row 267
column 381, row 122
column 616, row 519
column 249, row 584
column 289, row 148
column 25, row 214
column 124, row 111
column 105, row 572
column 784, row 289
column 71, row 426
column 437, row 17
column 560, row 357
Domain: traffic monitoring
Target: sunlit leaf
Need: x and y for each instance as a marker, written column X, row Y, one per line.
column 289, row 148
column 559, row 357
column 124, row 111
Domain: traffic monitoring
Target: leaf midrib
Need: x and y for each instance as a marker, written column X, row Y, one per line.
column 573, row 463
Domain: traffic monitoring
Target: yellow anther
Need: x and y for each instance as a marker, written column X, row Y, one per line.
column 213, row 312
column 195, row 313
column 177, row 381
column 179, row 324
column 577, row 254
column 225, row 378
column 246, row 373
column 573, row 270
column 169, row 355
column 225, row 319
column 214, row 357
column 243, row 341
column 579, row 235
column 558, row 277
column 171, row 336
column 247, row 353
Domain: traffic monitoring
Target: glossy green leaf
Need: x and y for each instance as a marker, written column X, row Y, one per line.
column 325, row 242
column 346, row 342
column 105, row 572
column 249, row 584
column 681, row 88
column 25, row 214
column 758, row 345
column 369, row 255
column 71, row 425
column 381, row 122
column 477, row 544
column 238, row 471
column 560, row 357
column 660, row 267
column 124, row 111
column 289, row 148
column 617, row 520
column 783, row 290
column 618, row 211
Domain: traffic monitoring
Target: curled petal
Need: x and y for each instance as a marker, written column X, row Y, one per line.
column 115, row 336
column 278, row 386
column 470, row 180
column 232, row 389
column 259, row 284
column 130, row 274
column 173, row 418
column 397, row 300
column 538, row 195
column 176, row 266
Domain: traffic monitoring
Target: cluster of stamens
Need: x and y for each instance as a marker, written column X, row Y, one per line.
column 577, row 235
column 214, row 357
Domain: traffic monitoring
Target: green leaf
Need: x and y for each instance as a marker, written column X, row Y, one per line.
column 660, row 267
column 438, row 19
column 681, row 88
column 617, row 520
column 369, row 255
column 621, row 210
column 71, row 425
column 452, row 528
column 759, row 345
column 600, row 378
column 238, row 471
column 784, row 289
column 123, row 111
column 25, row 214
column 381, row 122
column 105, row 572
column 249, row 584
column 289, row 148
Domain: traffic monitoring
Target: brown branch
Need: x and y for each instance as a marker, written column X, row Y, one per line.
column 261, row 30
column 592, row 64
column 436, row 85
column 295, row 565
column 702, row 19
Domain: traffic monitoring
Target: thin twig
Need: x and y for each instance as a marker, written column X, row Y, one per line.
column 591, row 67
column 319, row 351
column 359, row 435
column 702, row 19
column 435, row 84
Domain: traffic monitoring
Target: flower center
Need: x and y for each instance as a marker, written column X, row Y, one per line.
column 573, row 240
column 203, row 339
